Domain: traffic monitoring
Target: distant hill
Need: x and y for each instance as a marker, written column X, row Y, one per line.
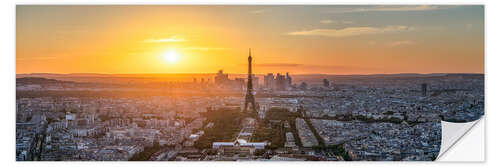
column 41, row 81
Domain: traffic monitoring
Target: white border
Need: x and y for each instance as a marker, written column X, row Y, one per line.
column 7, row 65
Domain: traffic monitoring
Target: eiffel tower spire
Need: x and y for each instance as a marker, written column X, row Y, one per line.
column 249, row 98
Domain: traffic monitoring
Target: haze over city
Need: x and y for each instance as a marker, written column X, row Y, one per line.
column 203, row 39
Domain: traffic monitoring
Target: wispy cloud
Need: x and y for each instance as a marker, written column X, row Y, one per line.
column 400, row 43
column 161, row 40
column 257, row 11
column 391, row 8
column 205, row 48
column 326, row 21
column 36, row 58
column 335, row 22
column 346, row 22
column 351, row 31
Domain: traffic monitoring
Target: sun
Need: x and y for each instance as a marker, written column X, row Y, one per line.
column 171, row 56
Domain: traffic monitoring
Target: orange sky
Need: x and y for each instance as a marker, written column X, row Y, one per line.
column 296, row 39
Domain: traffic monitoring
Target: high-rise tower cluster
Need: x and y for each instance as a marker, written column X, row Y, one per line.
column 280, row 82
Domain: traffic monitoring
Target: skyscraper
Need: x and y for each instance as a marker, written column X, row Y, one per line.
column 288, row 81
column 424, row 89
column 280, row 82
column 268, row 81
column 249, row 98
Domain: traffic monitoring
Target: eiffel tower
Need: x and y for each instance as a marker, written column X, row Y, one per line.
column 249, row 98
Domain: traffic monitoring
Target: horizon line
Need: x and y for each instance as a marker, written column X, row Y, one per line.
column 247, row 73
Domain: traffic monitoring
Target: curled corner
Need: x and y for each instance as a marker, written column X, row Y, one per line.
column 452, row 132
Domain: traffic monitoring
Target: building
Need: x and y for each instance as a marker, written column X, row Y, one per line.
column 269, row 81
column 424, row 89
column 303, row 86
column 240, row 146
column 326, row 83
column 222, row 80
column 288, row 81
column 280, row 82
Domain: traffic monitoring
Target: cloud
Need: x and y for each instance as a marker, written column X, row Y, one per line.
column 391, row 8
column 430, row 28
column 346, row 22
column 335, row 22
column 205, row 48
column 326, row 21
column 351, row 31
column 161, row 40
column 257, row 11
column 36, row 58
column 399, row 43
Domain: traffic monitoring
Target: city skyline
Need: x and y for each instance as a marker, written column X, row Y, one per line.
column 139, row 83
column 338, row 40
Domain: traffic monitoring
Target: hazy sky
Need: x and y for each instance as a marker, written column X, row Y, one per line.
column 296, row 39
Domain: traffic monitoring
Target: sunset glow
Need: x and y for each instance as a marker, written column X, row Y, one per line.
column 295, row 39
column 171, row 56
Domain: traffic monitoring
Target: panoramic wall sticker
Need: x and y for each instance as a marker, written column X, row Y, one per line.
column 245, row 83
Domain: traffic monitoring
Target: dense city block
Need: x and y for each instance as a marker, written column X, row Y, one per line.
column 312, row 117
